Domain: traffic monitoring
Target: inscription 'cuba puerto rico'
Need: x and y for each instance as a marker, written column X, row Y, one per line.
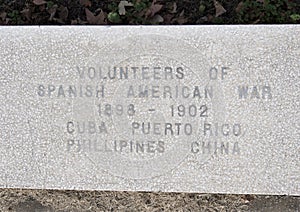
column 98, row 77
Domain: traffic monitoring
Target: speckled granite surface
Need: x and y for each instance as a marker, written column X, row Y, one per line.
column 212, row 109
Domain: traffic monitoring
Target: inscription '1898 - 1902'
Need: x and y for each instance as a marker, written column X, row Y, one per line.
column 141, row 89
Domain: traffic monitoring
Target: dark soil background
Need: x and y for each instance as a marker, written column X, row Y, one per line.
column 78, row 201
column 97, row 12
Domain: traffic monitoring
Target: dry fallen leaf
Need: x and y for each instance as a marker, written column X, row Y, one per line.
column 63, row 13
column 174, row 10
column 3, row 15
column 256, row 22
column 39, row 2
column 154, row 8
column 26, row 13
column 182, row 13
column 91, row 18
column 74, row 22
column 122, row 6
column 3, row 18
column 156, row 19
column 239, row 7
column 99, row 19
column 219, row 8
column 52, row 12
column 168, row 18
column 85, row 3
column 78, row 21
column 210, row 17
column 181, row 19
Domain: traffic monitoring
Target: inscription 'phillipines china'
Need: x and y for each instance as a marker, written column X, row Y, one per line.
column 191, row 109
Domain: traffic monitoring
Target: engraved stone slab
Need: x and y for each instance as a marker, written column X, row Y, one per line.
column 192, row 108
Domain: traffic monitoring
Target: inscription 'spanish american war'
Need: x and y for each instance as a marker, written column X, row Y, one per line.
column 195, row 109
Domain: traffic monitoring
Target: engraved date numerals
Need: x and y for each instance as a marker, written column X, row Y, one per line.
column 189, row 110
column 119, row 110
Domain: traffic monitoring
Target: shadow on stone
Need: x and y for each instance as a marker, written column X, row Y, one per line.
column 32, row 205
column 275, row 204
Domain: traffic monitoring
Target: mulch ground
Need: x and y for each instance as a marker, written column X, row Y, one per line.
column 87, row 201
column 102, row 12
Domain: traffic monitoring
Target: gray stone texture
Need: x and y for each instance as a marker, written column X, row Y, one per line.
column 62, row 127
